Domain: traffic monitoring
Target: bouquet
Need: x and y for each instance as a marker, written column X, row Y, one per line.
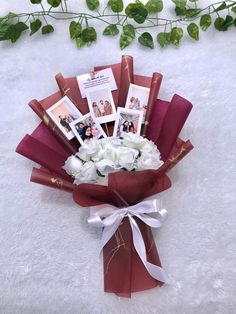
column 108, row 140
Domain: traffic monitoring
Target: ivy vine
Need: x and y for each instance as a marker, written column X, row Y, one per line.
column 130, row 22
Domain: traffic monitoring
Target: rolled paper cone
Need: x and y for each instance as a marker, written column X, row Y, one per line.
column 173, row 123
column 179, row 151
column 154, row 90
column 45, row 177
column 70, row 88
column 126, row 78
column 40, row 153
column 71, row 145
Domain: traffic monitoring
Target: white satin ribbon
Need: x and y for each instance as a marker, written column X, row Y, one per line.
column 109, row 217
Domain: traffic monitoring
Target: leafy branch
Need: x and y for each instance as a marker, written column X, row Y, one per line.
column 134, row 20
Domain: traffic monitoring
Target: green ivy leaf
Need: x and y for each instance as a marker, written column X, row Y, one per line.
column 3, row 32
column 111, row 30
column 125, row 41
column 47, row 29
column 228, row 22
column 79, row 42
column 221, row 7
column 92, row 4
column 223, row 24
column 36, row 1
column 116, row 5
column 154, row 6
column 163, row 39
column 180, row 11
column 146, row 40
column 54, row 3
column 7, row 17
column 205, row 22
column 35, row 26
column 192, row 12
column 137, row 11
column 89, row 35
column 233, row 9
column 193, row 31
column 129, row 30
column 75, row 29
column 14, row 31
column 176, row 35
column 180, row 3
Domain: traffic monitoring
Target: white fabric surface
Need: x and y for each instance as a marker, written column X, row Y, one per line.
column 49, row 259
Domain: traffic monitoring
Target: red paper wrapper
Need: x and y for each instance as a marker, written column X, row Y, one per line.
column 124, row 271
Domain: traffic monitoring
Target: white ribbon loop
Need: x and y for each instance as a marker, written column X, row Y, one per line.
column 110, row 217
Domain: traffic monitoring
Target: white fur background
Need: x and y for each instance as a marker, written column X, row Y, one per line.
column 49, row 259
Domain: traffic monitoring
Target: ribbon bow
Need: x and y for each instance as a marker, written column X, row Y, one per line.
column 109, row 217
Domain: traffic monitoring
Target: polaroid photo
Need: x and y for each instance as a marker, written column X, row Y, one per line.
column 63, row 113
column 96, row 79
column 101, row 104
column 137, row 98
column 127, row 120
column 86, row 128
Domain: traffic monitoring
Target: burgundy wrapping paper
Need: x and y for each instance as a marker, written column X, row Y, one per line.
column 120, row 257
column 47, row 178
column 154, row 90
column 173, row 122
column 40, row 110
column 42, row 154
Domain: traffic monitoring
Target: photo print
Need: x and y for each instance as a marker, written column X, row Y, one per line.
column 101, row 104
column 63, row 113
column 86, row 128
column 137, row 98
column 127, row 120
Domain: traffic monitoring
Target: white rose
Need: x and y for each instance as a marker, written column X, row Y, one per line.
column 87, row 173
column 89, row 149
column 72, row 165
column 149, row 161
column 105, row 166
column 150, row 147
column 127, row 157
column 133, row 140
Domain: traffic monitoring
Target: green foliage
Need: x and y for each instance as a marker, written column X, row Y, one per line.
column 163, row 39
column 176, row 35
column 89, row 35
column 180, row 3
column 92, row 4
column 54, row 3
column 111, row 30
column 205, row 21
column 116, row 5
column 193, row 31
column 189, row 19
column 137, row 11
column 75, row 29
column 35, row 26
column 154, row 6
column 47, row 29
column 35, row 1
column 146, row 40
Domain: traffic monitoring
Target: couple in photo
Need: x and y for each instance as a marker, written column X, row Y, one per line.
column 88, row 131
column 103, row 108
column 65, row 121
column 126, row 127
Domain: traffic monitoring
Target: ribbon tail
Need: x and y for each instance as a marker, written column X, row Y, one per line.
column 155, row 271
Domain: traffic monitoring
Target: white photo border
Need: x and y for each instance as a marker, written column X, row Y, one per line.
column 65, row 99
column 129, row 111
column 131, row 86
column 107, row 118
column 81, row 119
